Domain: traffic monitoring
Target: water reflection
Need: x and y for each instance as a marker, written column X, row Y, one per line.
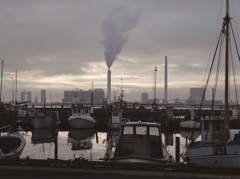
column 81, row 140
column 44, row 135
column 76, row 143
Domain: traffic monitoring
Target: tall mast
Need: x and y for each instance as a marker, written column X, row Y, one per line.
column 1, row 82
column 226, row 122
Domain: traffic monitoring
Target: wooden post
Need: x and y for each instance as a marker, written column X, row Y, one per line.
column 177, row 149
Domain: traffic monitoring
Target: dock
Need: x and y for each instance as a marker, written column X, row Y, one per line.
column 102, row 116
column 29, row 168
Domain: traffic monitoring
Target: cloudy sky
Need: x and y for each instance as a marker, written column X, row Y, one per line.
column 62, row 45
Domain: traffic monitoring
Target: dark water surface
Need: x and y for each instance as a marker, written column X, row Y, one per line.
column 72, row 144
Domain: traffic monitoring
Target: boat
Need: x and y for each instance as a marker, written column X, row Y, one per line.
column 141, row 142
column 216, row 148
column 116, row 119
column 81, row 118
column 191, row 124
column 11, row 145
column 117, row 112
column 45, row 119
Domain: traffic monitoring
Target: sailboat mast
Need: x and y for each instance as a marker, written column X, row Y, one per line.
column 1, row 82
column 227, row 20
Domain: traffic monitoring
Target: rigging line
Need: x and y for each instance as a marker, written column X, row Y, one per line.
column 235, row 41
column 234, row 78
column 204, row 91
column 217, row 70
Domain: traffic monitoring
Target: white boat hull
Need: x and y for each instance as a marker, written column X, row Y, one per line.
column 13, row 150
column 189, row 125
column 215, row 155
column 81, row 122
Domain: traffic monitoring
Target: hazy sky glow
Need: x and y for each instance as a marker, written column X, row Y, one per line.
column 58, row 45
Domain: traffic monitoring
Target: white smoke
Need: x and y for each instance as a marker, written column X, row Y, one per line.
column 116, row 28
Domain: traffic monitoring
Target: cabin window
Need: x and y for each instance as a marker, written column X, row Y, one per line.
column 154, row 131
column 115, row 114
column 206, row 125
column 128, row 130
column 141, row 130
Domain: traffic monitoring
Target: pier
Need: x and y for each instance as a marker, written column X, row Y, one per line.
column 25, row 168
column 102, row 115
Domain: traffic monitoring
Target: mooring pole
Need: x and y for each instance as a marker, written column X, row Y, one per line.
column 177, row 149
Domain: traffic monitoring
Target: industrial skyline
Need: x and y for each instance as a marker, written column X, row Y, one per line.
column 56, row 45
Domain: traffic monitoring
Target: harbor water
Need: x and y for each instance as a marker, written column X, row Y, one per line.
column 74, row 144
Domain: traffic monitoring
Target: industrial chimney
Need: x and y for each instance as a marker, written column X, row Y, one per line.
column 109, row 86
column 166, row 81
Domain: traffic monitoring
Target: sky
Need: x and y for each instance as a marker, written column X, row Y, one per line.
column 62, row 45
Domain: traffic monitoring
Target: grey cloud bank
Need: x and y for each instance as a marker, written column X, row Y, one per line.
column 59, row 45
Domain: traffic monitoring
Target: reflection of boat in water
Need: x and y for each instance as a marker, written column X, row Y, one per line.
column 112, row 136
column 81, row 138
column 81, row 118
column 192, row 135
column 141, row 142
column 44, row 135
column 11, row 145
column 45, row 119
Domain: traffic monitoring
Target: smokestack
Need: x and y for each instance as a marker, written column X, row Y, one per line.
column 109, row 86
column 166, row 82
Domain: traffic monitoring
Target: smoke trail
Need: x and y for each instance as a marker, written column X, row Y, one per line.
column 116, row 28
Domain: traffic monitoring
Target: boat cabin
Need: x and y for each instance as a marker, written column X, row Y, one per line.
column 116, row 117
column 139, row 139
column 81, row 111
column 212, row 130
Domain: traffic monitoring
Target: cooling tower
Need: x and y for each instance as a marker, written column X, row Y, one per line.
column 109, row 87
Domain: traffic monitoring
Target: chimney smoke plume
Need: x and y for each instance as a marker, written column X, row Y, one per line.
column 116, row 28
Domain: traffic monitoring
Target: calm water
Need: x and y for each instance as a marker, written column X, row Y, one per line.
column 89, row 144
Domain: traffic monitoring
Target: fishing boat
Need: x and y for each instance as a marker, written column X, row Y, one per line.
column 141, row 142
column 117, row 112
column 116, row 119
column 11, row 145
column 81, row 118
column 216, row 148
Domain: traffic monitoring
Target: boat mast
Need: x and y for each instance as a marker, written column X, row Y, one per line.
column 1, row 82
column 226, row 122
